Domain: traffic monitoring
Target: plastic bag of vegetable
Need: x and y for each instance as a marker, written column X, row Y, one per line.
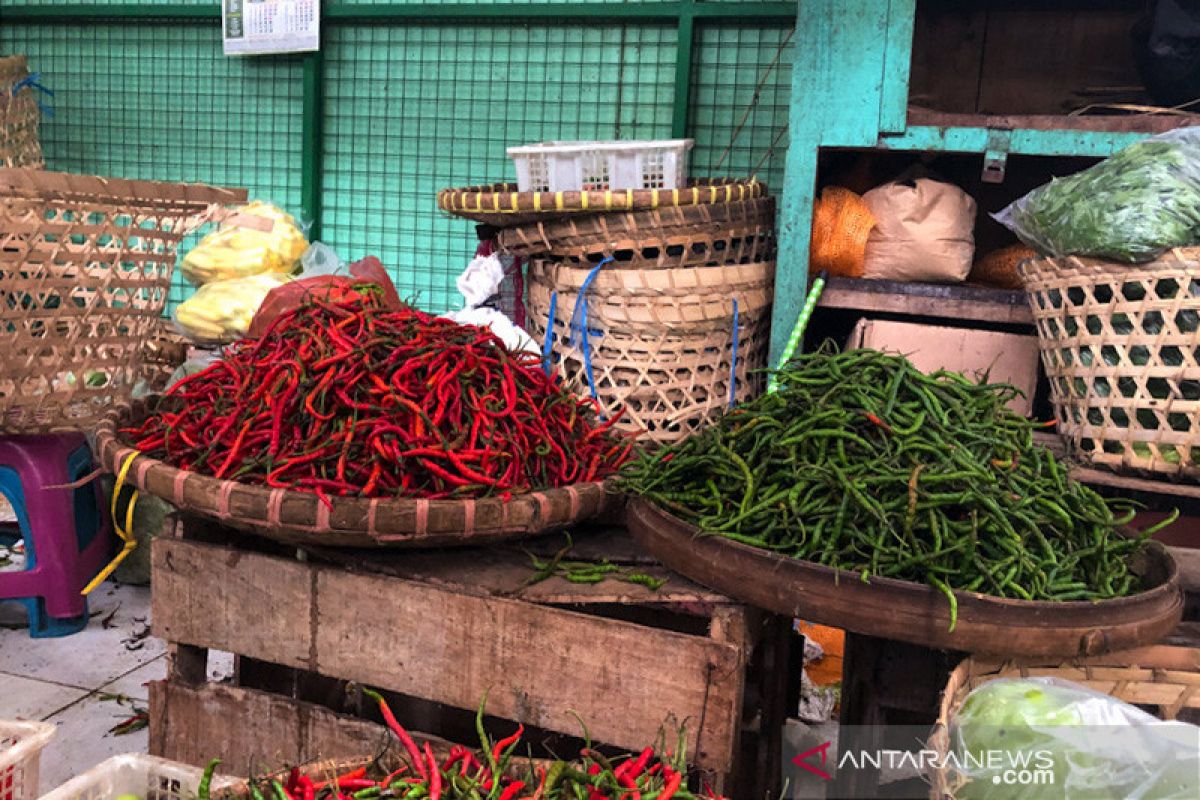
column 1130, row 207
column 260, row 238
column 1071, row 742
column 221, row 311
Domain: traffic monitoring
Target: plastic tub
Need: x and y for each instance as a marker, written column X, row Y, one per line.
column 21, row 745
column 145, row 776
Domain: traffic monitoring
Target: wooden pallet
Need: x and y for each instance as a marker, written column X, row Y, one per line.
column 439, row 629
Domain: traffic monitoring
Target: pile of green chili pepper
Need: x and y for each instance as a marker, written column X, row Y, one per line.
column 348, row 397
column 494, row 772
column 861, row 462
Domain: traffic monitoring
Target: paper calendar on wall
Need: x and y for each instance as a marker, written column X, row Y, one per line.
column 270, row 26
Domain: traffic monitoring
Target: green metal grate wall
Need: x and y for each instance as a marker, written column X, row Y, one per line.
column 405, row 98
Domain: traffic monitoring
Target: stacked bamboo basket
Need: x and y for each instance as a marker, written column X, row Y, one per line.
column 19, row 142
column 663, row 312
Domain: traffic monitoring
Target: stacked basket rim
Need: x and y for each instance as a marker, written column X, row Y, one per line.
column 1121, row 347
column 660, row 314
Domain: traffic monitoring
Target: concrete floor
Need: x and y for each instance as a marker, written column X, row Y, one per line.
column 87, row 682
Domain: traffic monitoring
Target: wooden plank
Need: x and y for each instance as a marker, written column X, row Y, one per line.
column 187, row 664
column 1051, row 61
column 212, row 597
column 1099, row 477
column 1125, row 123
column 952, row 302
column 537, row 663
column 250, row 730
column 504, row 571
column 897, row 64
column 945, row 77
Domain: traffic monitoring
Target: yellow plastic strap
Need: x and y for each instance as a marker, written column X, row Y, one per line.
column 558, row 201
column 124, row 532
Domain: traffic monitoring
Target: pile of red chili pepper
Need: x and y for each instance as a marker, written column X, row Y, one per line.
column 351, row 397
column 495, row 772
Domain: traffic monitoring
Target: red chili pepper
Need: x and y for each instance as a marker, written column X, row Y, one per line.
column 673, row 779
column 414, row 753
column 435, row 774
column 504, row 743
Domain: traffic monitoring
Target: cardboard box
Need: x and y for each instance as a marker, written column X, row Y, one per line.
column 1006, row 357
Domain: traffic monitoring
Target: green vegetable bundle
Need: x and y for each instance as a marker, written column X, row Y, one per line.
column 1130, row 207
column 863, row 463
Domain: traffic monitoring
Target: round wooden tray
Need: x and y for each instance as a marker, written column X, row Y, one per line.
column 301, row 518
column 501, row 205
column 911, row 612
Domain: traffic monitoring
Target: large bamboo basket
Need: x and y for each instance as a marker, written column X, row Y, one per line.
column 19, row 117
column 1160, row 676
column 85, row 267
column 301, row 518
column 163, row 351
column 1121, row 346
column 665, row 351
column 502, row 205
column 679, row 236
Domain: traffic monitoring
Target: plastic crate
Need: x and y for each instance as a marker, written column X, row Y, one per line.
column 21, row 745
column 596, row 166
column 145, row 776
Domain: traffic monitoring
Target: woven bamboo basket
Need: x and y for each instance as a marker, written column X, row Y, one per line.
column 163, row 351
column 1121, row 347
column 664, row 343
column 1162, row 677
column 85, row 267
column 19, row 117
column 649, row 301
column 679, row 236
column 301, row 518
column 501, row 205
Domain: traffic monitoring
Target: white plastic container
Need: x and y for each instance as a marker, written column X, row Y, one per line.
column 596, row 166
column 145, row 776
column 21, row 745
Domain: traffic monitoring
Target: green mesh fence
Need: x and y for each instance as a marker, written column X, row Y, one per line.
column 161, row 102
column 394, row 138
column 741, row 85
column 409, row 107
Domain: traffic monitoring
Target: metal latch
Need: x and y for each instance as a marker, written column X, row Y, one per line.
column 995, row 156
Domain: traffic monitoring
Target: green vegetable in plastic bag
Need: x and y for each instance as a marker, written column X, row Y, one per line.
column 1130, row 207
column 1014, row 739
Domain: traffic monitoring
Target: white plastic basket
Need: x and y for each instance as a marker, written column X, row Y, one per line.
column 21, row 745
column 596, row 166
column 145, row 776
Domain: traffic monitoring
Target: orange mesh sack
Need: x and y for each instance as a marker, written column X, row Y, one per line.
column 841, row 224
column 999, row 267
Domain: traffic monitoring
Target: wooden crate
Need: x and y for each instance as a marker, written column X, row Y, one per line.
column 441, row 628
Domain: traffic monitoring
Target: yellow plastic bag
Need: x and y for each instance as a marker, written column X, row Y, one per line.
column 239, row 249
column 841, row 224
column 221, row 311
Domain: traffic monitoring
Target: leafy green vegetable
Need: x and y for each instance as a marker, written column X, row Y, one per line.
column 1130, row 207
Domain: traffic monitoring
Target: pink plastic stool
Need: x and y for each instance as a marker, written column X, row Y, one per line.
column 67, row 535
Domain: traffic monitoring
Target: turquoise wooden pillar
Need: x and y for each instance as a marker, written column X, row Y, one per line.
column 849, row 83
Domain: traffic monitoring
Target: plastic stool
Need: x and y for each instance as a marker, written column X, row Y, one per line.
column 67, row 537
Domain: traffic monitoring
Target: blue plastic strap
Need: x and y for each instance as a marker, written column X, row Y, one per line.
column 733, row 366
column 580, row 331
column 30, row 81
column 548, row 344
